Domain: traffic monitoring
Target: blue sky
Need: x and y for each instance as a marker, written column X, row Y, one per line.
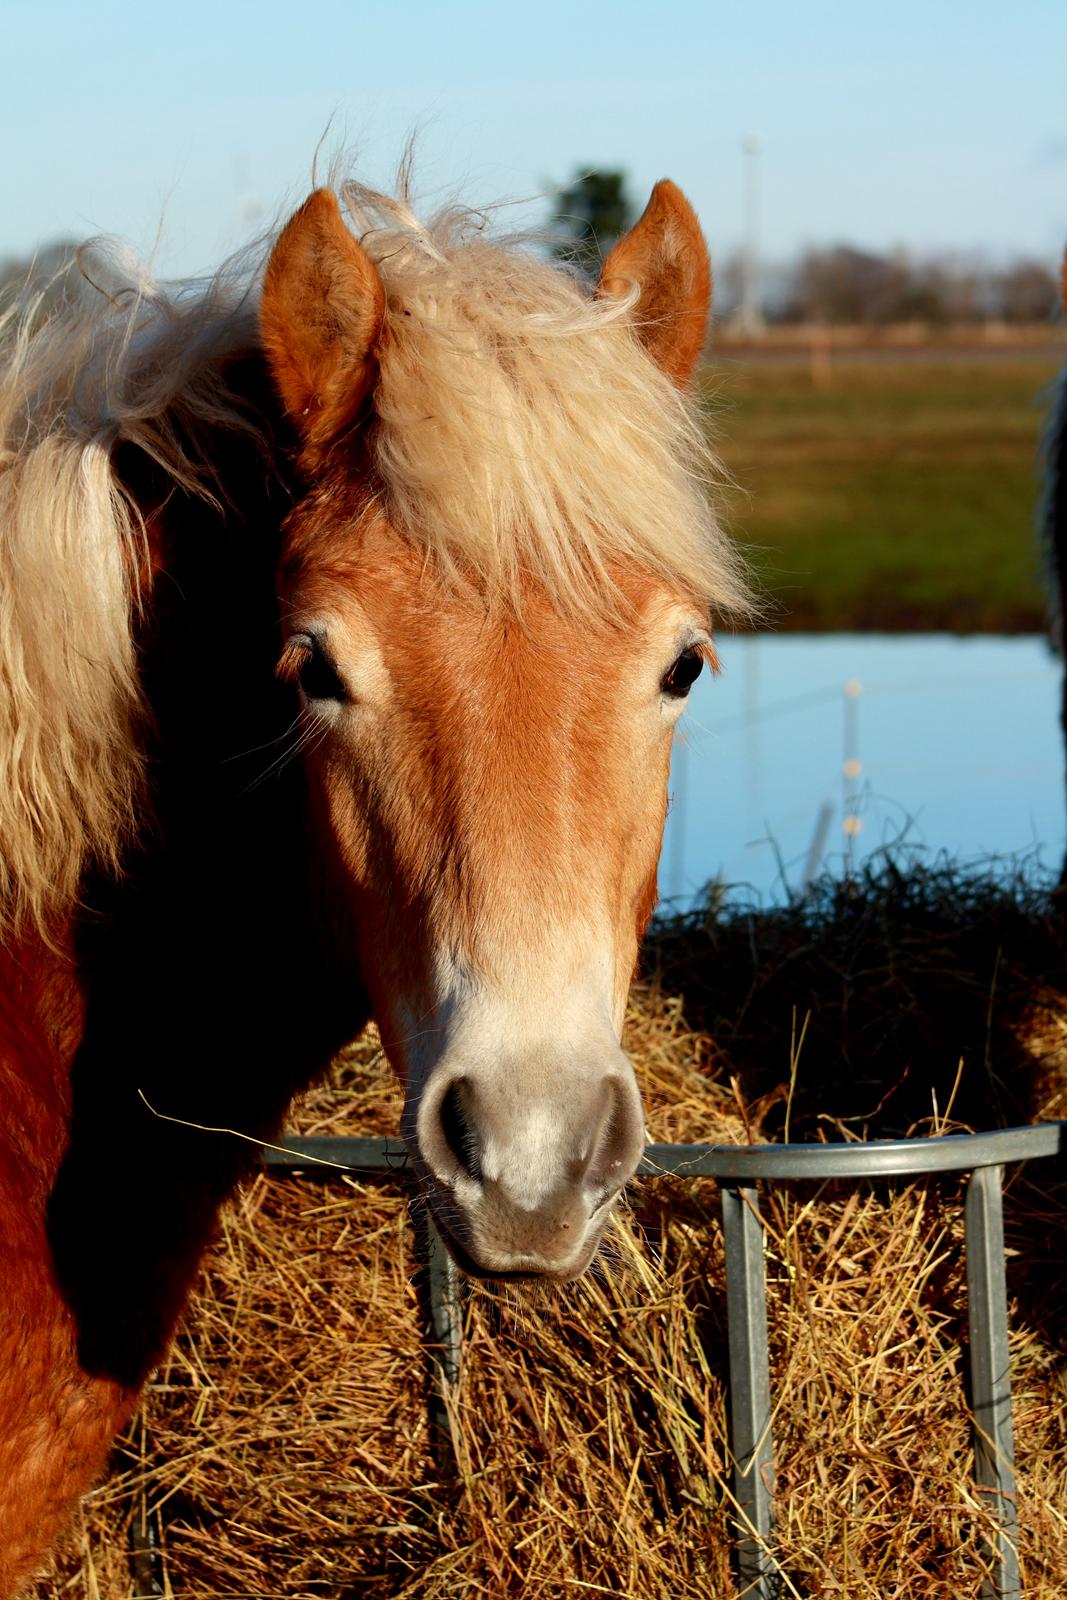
column 931, row 125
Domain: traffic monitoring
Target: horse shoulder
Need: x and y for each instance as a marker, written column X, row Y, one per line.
column 53, row 1445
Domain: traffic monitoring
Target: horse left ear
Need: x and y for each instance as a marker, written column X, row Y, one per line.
column 665, row 255
column 320, row 317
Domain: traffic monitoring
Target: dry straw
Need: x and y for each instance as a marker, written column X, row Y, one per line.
column 285, row 1442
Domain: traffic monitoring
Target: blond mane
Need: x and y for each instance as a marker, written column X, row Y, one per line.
column 125, row 362
column 522, row 433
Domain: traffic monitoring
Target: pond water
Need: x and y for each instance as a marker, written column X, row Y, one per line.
column 818, row 750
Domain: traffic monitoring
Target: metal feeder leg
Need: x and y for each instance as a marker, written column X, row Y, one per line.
column 750, row 1390
column 987, row 1309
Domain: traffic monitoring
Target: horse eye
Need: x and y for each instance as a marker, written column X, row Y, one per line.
column 305, row 662
column 684, row 673
column 318, row 676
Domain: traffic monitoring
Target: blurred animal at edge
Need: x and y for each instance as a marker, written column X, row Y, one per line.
column 1053, row 520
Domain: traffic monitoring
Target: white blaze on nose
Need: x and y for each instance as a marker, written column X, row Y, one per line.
column 533, row 1150
column 529, row 1131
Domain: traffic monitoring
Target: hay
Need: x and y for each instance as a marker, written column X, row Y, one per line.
column 285, row 1442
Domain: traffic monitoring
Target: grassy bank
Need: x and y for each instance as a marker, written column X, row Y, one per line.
column 899, row 496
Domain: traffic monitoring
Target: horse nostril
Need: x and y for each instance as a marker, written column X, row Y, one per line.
column 459, row 1132
column 620, row 1140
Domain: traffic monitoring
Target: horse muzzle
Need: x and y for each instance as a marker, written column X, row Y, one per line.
column 522, row 1161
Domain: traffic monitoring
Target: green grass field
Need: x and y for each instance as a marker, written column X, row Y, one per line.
column 901, row 497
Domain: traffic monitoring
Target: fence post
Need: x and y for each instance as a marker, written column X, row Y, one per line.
column 445, row 1316
column 750, row 1390
column 145, row 1565
column 987, row 1311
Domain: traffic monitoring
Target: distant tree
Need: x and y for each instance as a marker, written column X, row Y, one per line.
column 842, row 284
column 923, row 294
column 592, row 213
column 965, row 292
column 1026, row 292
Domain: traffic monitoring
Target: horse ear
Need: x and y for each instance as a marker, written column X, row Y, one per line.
column 665, row 255
column 320, row 317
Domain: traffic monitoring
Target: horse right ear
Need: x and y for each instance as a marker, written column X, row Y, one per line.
column 320, row 317
column 664, row 256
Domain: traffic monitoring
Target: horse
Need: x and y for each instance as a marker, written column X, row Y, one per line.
column 347, row 606
column 1052, row 520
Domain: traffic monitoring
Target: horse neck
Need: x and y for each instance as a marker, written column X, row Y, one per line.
column 41, row 1022
column 206, row 1002
column 213, row 926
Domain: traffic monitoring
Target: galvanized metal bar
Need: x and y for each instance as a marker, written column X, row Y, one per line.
column 146, row 1568
column 740, row 1163
column 446, row 1311
column 443, row 1306
column 331, row 1153
column 750, row 1391
column 987, row 1310
column 145, row 1535
column 881, row 1158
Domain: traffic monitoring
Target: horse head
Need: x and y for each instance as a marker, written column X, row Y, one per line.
column 495, row 593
